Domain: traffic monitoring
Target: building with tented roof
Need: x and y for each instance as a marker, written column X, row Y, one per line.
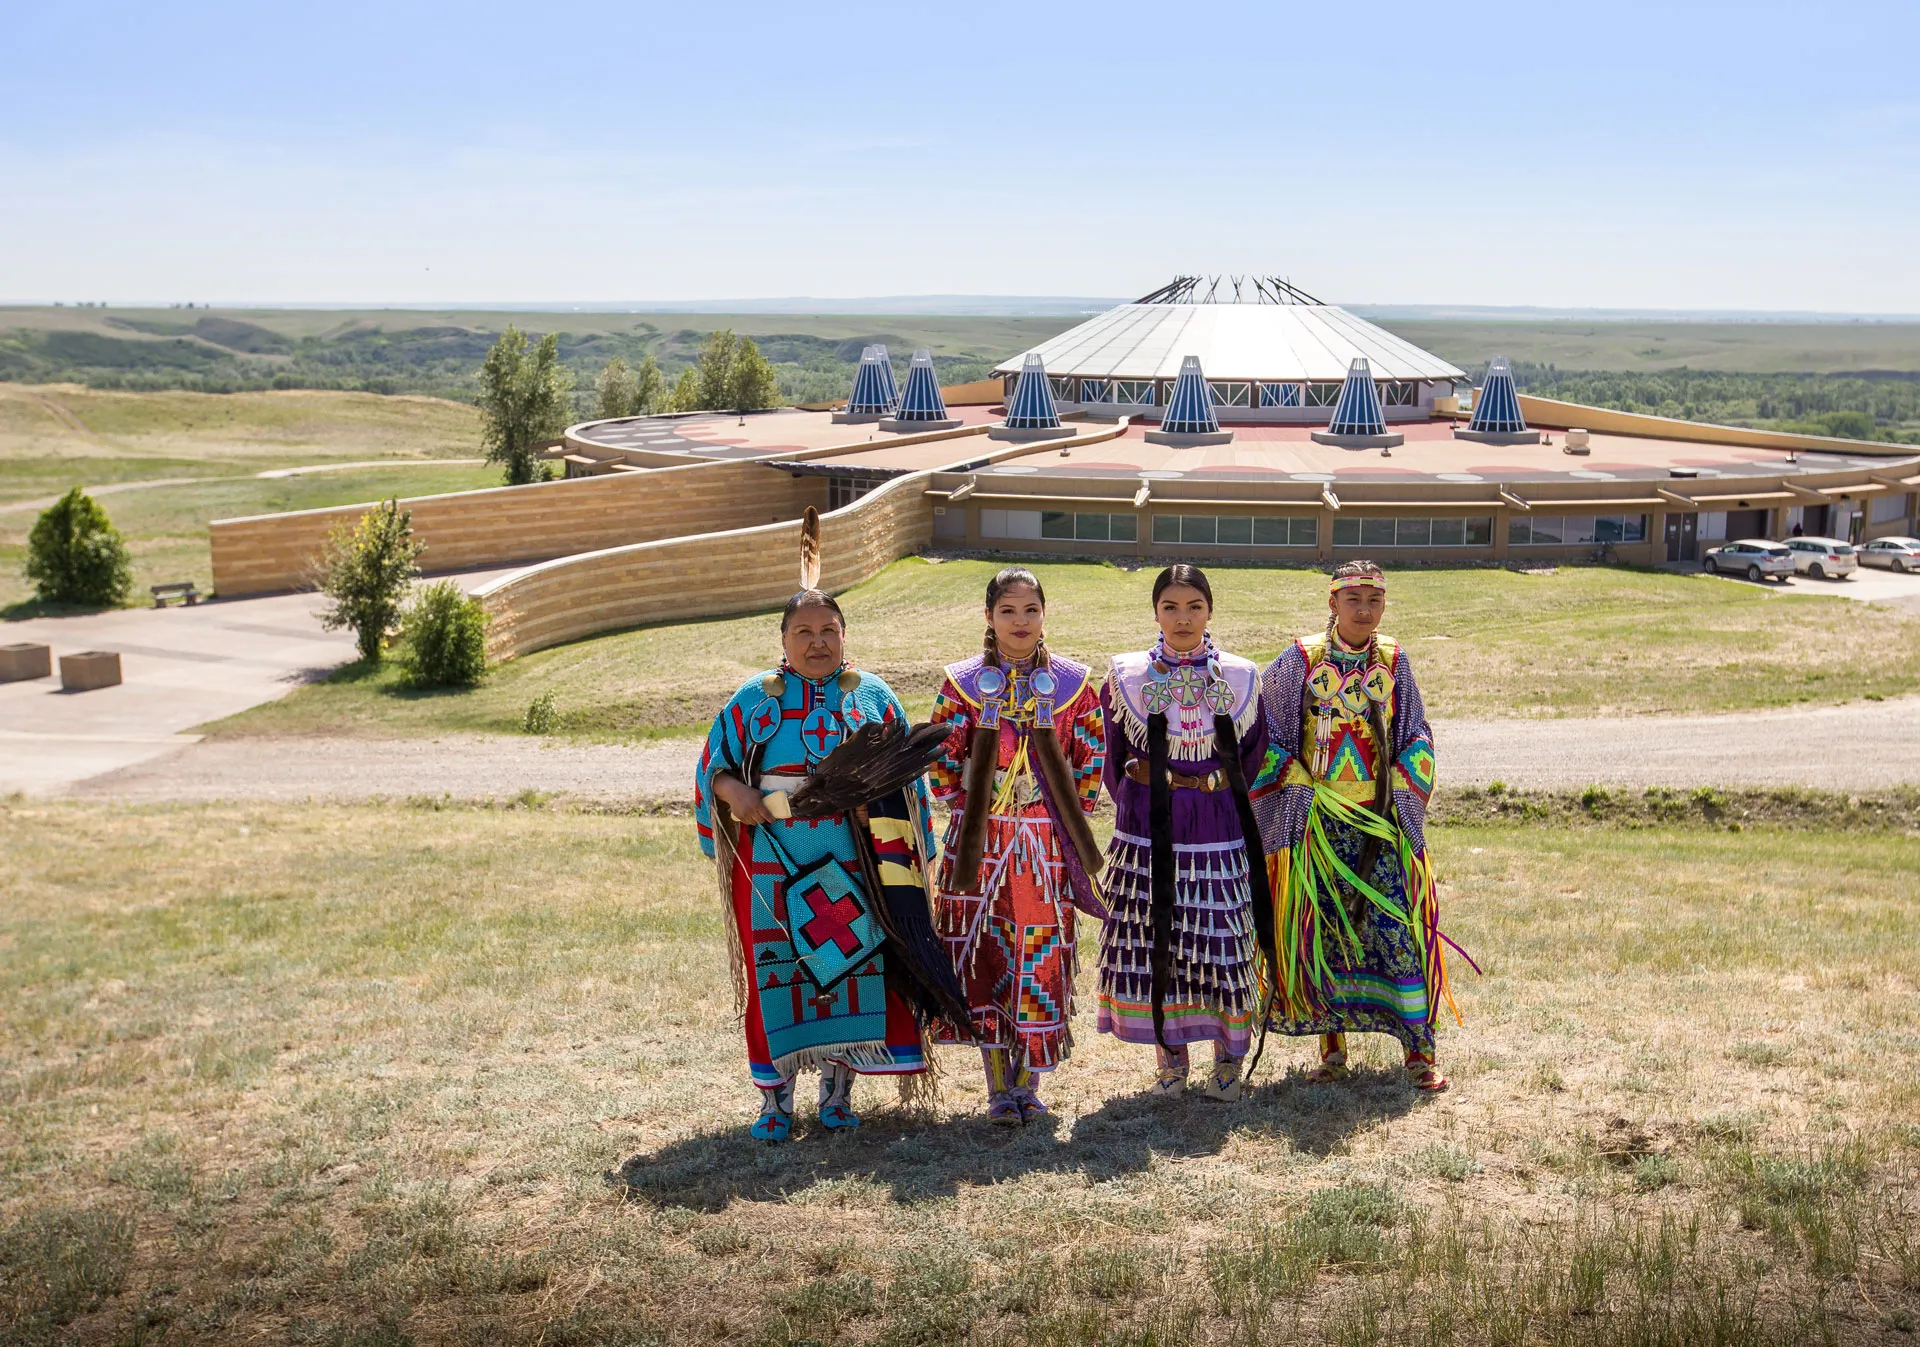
column 1272, row 353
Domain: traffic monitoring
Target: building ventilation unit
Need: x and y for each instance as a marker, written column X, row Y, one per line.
column 1190, row 417
column 1359, row 422
column 1497, row 418
column 1031, row 414
column 921, row 405
column 874, row 392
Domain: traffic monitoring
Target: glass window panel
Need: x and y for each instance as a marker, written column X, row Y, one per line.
column 1123, row 528
column 1633, row 528
column 1096, row 390
column 1229, row 394
column 1269, row 395
column 1606, row 528
column 1304, row 531
column 1449, row 532
column 1236, row 530
column 1579, row 529
column 1023, row 523
column 1322, row 394
column 1197, row 528
column 1063, row 388
column 1269, row 531
column 1346, row 532
column 1166, row 528
column 1376, row 533
column 1480, row 531
column 1056, row 524
column 1134, row 392
column 1546, row 529
column 1289, row 395
column 1413, row 532
column 993, row 523
column 1519, row 530
column 1090, row 527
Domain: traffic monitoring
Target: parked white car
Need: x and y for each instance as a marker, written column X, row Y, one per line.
column 1899, row 554
column 1755, row 558
column 1823, row 557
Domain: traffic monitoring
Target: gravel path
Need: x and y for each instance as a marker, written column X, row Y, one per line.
column 1864, row 746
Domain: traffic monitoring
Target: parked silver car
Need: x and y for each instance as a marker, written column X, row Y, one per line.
column 1823, row 557
column 1755, row 558
column 1899, row 554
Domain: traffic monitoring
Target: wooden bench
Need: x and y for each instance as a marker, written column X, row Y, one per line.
column 179, row 589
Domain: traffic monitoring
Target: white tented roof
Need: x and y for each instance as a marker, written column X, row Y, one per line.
column 1233, row 341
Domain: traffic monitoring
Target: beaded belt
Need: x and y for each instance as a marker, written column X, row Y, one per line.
column 1212, row 781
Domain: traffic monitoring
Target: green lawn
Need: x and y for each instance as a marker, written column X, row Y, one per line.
column 166, row 526
column 1486, row 643
column 353, row 1075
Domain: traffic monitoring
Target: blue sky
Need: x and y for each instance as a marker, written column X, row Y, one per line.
column 1640, row 156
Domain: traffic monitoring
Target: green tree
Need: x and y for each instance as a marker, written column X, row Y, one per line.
column 443, row 637
column 525, row 399
column 650, row 387
column 365, row 569
column 718, row 355
column 616, row 392
column 686, row 392
column 752, row 383
column 76, row 555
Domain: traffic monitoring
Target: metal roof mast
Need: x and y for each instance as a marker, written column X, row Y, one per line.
column 1245, row 290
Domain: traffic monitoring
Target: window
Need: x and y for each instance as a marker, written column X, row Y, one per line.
column 844, row 491
column 1323, row 394
column 1009, row 523
column 1081, row 526
column 1279, row 395
column 1437, row 531
column 1889, row 507
column 1230, row 394
column 1189, row 530
column 1399, row 393
column 1133, row 392
column 1063, row 387
column 1096, row 390
column 1565, row 530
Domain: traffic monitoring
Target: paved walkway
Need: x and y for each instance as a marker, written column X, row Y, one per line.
column 1866, row 746
column 182, row 667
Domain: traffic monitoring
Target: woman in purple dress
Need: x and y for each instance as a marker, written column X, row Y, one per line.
column 1187, row 886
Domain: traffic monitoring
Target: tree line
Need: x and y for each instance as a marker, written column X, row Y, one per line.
column 526, row 393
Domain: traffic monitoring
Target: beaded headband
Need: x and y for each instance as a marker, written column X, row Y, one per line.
column 1341, row 582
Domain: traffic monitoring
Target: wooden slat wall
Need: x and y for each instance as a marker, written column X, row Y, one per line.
column 707, row 575
column 503, row 525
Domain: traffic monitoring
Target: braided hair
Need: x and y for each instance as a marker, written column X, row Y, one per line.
column 1013, row 577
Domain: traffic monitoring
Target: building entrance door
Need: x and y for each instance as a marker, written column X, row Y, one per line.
column 1683, row 537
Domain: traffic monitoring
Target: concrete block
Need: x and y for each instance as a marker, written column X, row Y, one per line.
column 90, row 669
column 1393, row 439
column 28, row 659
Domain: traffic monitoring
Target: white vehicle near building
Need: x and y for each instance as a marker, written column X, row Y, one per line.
column 1755, row 558
column 1898, row 554
column 1823, row 557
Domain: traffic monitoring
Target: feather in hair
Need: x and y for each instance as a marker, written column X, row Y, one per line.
column 810, row 549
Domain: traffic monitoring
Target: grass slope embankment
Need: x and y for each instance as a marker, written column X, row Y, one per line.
column 354, row 1075
column 1486, row 643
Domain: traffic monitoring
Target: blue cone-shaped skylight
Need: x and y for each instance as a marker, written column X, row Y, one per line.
column 922, row 401
column 1358, row 411
column 1032, row 406
column 1190, row 408
column 873, row 390
column 1496, row 410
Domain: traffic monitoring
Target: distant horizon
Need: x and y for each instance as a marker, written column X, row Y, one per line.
column 959, row 306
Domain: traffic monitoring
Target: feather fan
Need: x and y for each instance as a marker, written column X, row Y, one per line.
column 810, row 549
column 872, row 761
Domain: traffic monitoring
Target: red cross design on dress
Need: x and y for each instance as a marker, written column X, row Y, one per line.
column 765, row 721
column 832, row 923
column 819, row 734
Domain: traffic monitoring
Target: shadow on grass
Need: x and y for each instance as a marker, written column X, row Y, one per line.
column 30, row 608
column 920, row 1160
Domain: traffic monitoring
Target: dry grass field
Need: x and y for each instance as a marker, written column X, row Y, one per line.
column 1488, row 643
column 355, row 1075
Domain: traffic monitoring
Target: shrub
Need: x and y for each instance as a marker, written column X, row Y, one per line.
column 443, row 637
column 541, row 717
column 365, row 569
column 76, row 555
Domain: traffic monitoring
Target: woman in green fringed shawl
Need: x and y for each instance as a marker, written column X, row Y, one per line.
column 1342, row 806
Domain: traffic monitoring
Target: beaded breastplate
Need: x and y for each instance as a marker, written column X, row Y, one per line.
column 1343, row 690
